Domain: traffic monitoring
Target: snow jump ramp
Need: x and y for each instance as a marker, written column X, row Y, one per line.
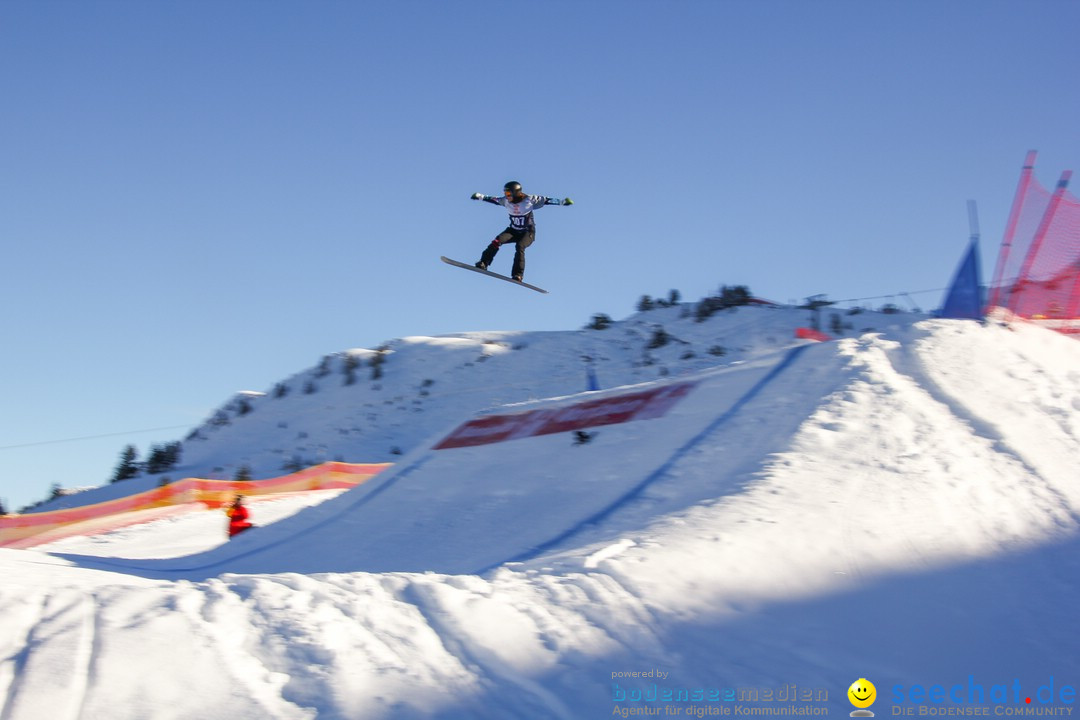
column 518, row 482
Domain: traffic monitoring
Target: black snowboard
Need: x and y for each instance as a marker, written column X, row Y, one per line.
column 455, row 263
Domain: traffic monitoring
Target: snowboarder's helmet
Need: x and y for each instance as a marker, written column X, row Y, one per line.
column 512, row 188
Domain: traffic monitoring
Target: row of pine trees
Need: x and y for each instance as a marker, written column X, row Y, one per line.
column 162, row 458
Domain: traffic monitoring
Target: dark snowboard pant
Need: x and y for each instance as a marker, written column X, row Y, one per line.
column 521, row 239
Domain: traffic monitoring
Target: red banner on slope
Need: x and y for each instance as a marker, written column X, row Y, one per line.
column 613, row 410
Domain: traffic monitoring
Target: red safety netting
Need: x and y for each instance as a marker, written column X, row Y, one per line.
column 1038, row 270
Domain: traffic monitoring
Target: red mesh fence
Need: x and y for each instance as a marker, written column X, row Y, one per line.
column 1049, row 281
column 1038, row 272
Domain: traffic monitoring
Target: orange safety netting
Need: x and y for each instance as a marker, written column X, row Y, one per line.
column 21, row 531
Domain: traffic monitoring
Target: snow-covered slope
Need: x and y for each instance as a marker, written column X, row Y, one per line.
column 377, row 405
column 900, row 506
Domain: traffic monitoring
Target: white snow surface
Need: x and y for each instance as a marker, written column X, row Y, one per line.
column 900, row 505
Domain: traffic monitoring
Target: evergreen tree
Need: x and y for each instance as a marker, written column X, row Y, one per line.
column 243, row 474
column 659, row 339
column 163, row 458
column 735, row 296
column 173, row 451
column 645, row 304
column 155, row 463
column 349, row 368
column 378, row 360
column 600, row 321
column 729, row 297
column 707, row 308
column 3, row 510
column 294, row 464
column 128, row 466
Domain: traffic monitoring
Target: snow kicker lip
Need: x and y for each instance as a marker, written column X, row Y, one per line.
column 599, row 516
column 432, row 540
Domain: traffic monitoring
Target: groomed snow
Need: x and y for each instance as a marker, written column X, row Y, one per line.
column 900, row 505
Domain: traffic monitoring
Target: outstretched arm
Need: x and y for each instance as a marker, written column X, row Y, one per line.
column 485, row 198
column 546, row 200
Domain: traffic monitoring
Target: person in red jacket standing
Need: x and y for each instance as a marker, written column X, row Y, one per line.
column 238, row 517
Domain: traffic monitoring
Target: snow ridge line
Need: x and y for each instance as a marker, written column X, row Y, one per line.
column 658, row 473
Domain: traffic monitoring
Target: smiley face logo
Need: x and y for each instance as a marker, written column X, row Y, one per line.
column 862, row 693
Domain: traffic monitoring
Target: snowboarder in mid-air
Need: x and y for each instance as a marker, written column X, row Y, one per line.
column 522, row 229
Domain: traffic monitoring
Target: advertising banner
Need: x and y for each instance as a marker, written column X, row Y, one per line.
column 644, row 405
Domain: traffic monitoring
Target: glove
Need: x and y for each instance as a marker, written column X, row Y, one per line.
column 477, row 196
column 567, row 201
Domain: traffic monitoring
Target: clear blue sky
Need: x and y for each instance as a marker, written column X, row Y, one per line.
column 198, row 197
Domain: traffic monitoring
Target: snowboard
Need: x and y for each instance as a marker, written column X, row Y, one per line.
column 455, row 263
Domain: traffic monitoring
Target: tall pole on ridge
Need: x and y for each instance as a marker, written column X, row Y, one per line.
column 1010, row 228
column 973, row 220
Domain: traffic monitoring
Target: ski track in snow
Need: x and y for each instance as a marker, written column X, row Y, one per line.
column 1060, row 440
column 50, row 676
